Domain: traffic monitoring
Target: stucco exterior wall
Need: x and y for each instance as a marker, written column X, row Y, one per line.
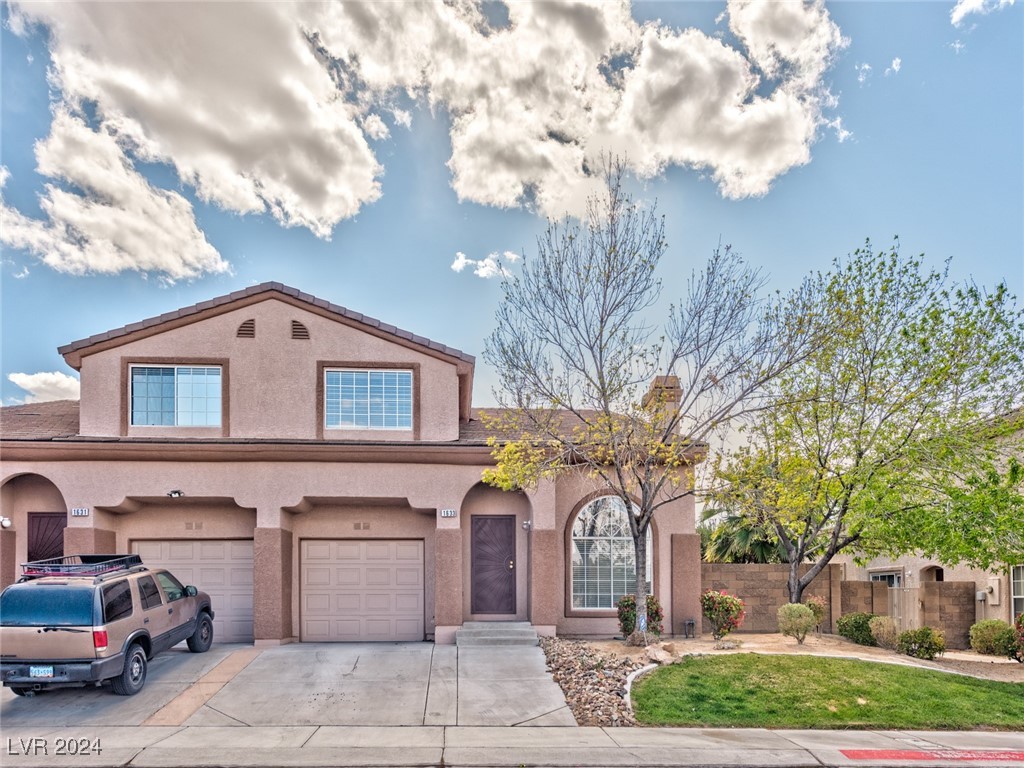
column 272, row 379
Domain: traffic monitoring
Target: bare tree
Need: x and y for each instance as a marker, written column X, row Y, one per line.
column 575, row 350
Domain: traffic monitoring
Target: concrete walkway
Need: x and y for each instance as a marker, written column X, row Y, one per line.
column 453, row 746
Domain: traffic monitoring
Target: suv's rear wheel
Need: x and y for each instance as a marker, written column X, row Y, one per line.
column 133, row 677
column 202, row 638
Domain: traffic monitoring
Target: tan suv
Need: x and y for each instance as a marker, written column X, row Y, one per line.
column 83, row 619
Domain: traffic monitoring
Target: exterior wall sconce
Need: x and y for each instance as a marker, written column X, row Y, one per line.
column 6, row 522
column 175, row 494
column 527, row 525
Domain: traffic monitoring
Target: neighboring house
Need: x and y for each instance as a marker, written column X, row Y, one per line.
column 1003, row 590
column 318, row 473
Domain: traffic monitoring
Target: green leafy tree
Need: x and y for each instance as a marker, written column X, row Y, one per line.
column 900, row 432
column 574, row 350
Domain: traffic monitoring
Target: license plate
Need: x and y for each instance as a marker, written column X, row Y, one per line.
column 40, row 671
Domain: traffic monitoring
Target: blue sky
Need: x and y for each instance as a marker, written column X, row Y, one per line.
column 156, row 159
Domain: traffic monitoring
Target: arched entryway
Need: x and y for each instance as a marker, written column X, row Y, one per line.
column 38, row 515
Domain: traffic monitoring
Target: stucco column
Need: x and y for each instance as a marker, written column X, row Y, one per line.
column 686, row 583
column 100, row 541
column 545, row 574
column 272, row 585
column 447, row 583
column 8, row 557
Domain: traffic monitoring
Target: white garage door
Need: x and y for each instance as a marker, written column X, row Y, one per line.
column 220, row 567
column 362, row 590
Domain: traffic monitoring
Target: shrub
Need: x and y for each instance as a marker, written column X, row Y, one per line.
column 725, row 612
column 627, row 615
column 1016, row 650
column 856, row 627
column 818, row 608
column 992, row 637
column 923, row 643
column 884, row 631
column 796, row 620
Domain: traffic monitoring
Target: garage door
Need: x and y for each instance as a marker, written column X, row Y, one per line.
column 220, row 567
column 362, row 590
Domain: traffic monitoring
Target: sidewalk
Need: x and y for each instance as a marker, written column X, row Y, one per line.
column 456, row 746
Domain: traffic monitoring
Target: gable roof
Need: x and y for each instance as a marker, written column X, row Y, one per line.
column 76, row 350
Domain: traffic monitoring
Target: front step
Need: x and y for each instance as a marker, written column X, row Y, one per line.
column 495, row 633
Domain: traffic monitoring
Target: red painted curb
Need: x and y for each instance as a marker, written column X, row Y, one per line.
column 936, row 754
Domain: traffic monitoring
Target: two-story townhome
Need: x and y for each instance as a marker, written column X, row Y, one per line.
column 318, row 473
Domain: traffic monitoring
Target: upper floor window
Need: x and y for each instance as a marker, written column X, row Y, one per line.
column 368, row 399
column 175, row 396
column 603, row 559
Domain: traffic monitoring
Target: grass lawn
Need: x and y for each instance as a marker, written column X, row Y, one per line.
column 748, row 690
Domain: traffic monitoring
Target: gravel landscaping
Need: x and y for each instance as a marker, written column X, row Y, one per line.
column 594, row 682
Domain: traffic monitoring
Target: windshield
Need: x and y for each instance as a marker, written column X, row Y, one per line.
column 46, row 606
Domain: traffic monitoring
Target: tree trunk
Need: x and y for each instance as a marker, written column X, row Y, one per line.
column 640, row 636
column 794, row 584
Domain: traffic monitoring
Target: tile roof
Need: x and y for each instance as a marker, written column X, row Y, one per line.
column 39, row 421
column 254, row 290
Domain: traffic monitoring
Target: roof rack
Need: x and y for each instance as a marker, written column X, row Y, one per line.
column 80, row 565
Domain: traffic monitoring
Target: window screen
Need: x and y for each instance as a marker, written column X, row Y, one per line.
column 368, row 399
column 175, row 396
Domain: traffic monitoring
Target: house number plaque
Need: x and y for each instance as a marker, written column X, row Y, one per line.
column 449, row 513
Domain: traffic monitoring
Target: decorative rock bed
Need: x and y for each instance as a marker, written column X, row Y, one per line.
column 594, row 683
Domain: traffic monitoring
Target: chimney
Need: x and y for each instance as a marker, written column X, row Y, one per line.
column 665, row 390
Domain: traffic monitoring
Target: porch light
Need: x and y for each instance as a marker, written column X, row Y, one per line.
column 6, row 522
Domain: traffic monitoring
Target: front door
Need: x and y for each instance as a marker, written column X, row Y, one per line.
column 46, row 535
column 493, row 564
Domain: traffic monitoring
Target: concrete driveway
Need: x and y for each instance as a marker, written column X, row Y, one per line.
column 372, row 684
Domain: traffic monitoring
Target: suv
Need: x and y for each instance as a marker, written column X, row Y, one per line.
column 83, row 619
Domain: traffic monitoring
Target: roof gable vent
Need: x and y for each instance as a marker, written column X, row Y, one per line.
column 247, row 330
column 299, row 331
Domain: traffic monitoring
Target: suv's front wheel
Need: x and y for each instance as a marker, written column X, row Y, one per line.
column 202, row 638
column 133, row 677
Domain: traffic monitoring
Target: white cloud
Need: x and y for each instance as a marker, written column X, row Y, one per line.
column 43, row 387
column 894, row 68
column 964, row 8
column 958, row 47
column 268, row 107
column 375, row 127
column 863, row 72
column 487, row 267
column 105, row 217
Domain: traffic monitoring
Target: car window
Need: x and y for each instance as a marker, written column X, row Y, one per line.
column 148, row 592
column 46, row 605
column 117, row 601
column 172, row 587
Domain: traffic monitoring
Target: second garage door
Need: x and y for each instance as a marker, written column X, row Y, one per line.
column 220, row 567
column 368, row 590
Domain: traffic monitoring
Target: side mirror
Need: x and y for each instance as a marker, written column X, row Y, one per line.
column 191, row 591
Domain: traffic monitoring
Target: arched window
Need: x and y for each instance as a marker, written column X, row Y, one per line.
column 603, row 564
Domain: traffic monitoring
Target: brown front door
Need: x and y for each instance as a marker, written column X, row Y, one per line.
column 46, row 535
column 493, row 564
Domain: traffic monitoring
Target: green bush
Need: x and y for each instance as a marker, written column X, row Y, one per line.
column 884, row 631
column 818, row 608
column 856, row 627
column 1016, row 650
column 796, row 620
column 627, row 615
column 923, row 643
column 993, row 637
column 724, row 611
